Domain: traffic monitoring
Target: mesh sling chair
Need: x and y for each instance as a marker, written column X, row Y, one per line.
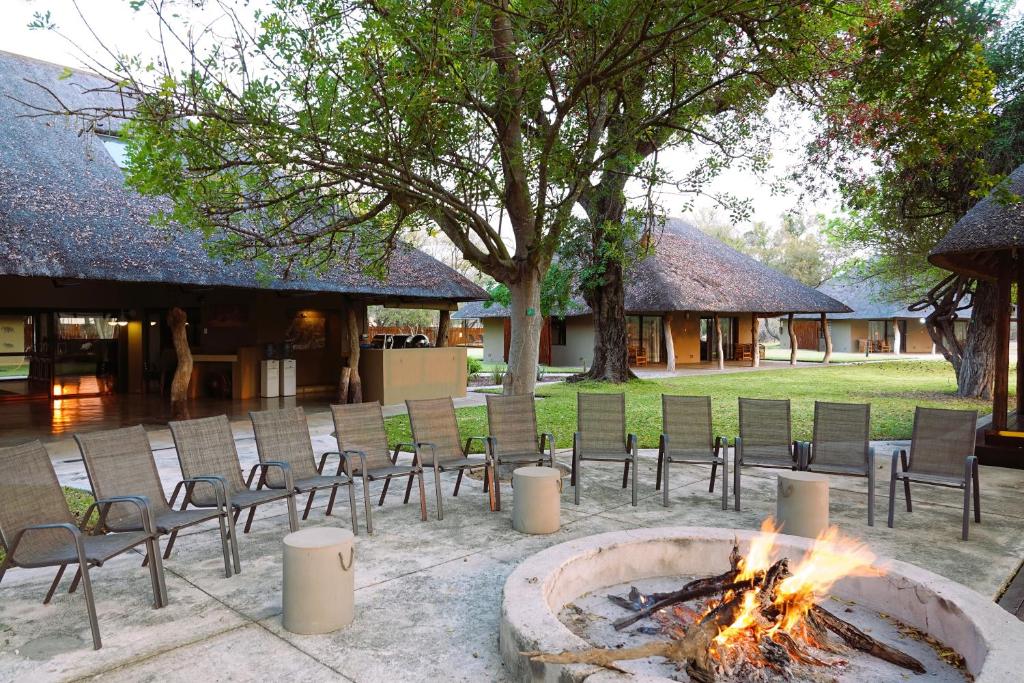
column 601, row 436
column 841, row 444
column 283, row 436
column 435, row 435
column 766, row 438
column 687, row 438
column 363, row 447
column 513, row 438
column 120, row 462
column 941, row 454
column 37, row 529
column 206, row 448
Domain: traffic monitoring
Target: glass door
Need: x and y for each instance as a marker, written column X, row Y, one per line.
column 645, row 338
column 86, row 359
column 709, row 340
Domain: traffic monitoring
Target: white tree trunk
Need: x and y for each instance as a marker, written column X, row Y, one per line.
column 755, row 334
column 897, row 338
column 524, row 345
column 670, row 347
column 792, row 340
column 718, row 342
column 827, row 334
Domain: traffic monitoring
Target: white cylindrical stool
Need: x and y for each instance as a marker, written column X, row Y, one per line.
column 802, row 503
column 537, row 498
column 319, row 580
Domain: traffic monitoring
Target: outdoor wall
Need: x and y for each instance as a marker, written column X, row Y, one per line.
column 494, row 340
column 842, row 336
column 579, row 343
column 918, row 340
column 686, row 337
column 396, row 375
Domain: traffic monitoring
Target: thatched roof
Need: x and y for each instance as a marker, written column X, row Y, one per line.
column 65, row 213
column 692, row 271
column 869, row 300
column 990, row 227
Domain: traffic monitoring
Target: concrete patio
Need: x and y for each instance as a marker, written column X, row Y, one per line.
column 427, row 593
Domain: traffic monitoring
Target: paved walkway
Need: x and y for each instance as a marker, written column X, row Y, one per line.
column 428, row 593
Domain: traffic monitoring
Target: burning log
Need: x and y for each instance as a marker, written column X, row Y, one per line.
column 701, row 588
column 859, row 640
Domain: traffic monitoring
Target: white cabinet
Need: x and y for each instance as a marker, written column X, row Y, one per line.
column 288, row 377
column 270, row 378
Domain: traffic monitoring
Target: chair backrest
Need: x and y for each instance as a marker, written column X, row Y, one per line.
column 360, row 427
column 120, row 462
column 512, row 423
column 30, row 494
column 842, row 433
column 686, row 421
column 942, row 440
column 206, row 446
column 433, row 421
column 283, row 435
column 601, row 421
column 766, row 430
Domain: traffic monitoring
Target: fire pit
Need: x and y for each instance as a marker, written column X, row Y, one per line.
column 706, row 611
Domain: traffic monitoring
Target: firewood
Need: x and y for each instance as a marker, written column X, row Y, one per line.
column 701, row 588
column 859, row 640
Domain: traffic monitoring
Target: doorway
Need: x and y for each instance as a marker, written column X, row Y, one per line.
column 709, row 340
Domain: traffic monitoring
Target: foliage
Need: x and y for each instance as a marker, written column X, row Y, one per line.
column 893, row 388
column 498, row 373
column 474, row 366
column 402, row 317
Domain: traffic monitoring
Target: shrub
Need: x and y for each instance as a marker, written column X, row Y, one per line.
column 474, row 366
column 498, row 374
column 541, row 371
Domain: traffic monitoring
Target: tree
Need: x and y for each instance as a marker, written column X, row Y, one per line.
column 321, row 129
column 936, row 150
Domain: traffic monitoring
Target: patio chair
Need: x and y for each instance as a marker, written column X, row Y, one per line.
column 37, row 529
column 435, row 435
column 283, row 436
column 841, row 444
column 363, row 451
column 206, row 448
column 687, row 438
column 513, row 438
column 765, row 440
column 941, row 454
column 119, row 462
column 601, row 436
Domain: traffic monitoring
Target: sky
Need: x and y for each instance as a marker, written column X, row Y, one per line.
column 132, row 32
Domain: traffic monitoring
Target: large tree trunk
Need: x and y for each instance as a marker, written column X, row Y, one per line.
column 974, row 360
column 525, row 321
column 355, row 384
column 443, row 322
column 176, row 319
column 608, row 302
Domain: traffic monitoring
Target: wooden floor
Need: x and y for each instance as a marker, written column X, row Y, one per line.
column 1012, row 599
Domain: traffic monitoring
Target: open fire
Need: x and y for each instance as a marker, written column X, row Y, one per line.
column 761, row 620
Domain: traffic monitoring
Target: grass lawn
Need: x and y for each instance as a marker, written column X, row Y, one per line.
column 893, row 390
column 79, row 501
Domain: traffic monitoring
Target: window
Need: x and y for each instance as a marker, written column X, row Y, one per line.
column 557, row 331
column 116, row 148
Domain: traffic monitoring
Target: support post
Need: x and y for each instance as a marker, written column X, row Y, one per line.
column 670, row 347
column 792, row 340
column 443, row 322
column 355, row 385
column 176, row 320
column 755, row 333
column 1020, row 342
column 827, row 334
column 897, row 337
column 1002, row 371
column 718, row 342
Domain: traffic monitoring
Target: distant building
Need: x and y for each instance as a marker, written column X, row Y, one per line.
column 673, row 294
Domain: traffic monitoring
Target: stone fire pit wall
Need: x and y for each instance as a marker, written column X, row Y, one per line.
column 989, row 638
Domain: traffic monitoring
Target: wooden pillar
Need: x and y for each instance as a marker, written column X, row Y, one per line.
column 827, row 333
column 1002, row 379
column 670, row 346
column 176, row 320
column 443, row 322
column 792, row 340
column 355, row 384
column 897, row 337
column 755, row 332
column 1020, row 342
column 718, row 342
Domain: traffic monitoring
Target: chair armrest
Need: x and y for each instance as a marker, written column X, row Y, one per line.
column 662, row 444
column 547, row 441
column 346, row 456
column 219, row 484
column 75, row 532
column 481, row 439
column 433, row 452
column 721, row 446
column 323, row 460
column 737, row 445
column 871, row 457
column 285, row 468
column 406, row 448
column 140, row 502
column 631, row 443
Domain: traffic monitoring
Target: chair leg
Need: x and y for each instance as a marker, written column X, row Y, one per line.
column 248, row 520
column 90, row 606
column 636, row 474
column 497, row 488
column 458, row 482
column 170, row 543
column 576, row 477
column 487, row 482
column 384, row 491
column 423, row 495
column 330, row 501
column 53, row 586
column 223, row 544
column 725, row 479
column 233, row 537
column 408, row 490
column 75, row 581
column 437, row 490
column 309, row 504
column 625, row 474
column 967, row 510
column 892, row 492
column 736, row 481
column 871, row 496
column 714, row 472
column 906, row 482
column 977, row 494
column 156, row 574
column 293, row 515
column 664, row 493
column 657, row 471
column 366, row 503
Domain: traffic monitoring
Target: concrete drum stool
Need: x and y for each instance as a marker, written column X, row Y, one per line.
column 537, row 505
column 802, row 503
column 319, row 580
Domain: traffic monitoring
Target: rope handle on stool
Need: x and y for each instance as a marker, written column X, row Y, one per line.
column 351, row 559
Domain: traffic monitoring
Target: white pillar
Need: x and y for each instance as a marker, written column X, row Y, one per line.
column 670, row 347
column 896, row 337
